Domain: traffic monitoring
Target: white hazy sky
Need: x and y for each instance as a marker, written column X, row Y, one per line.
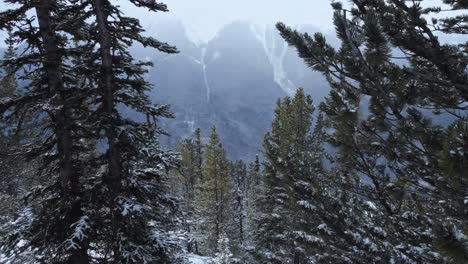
column 206, row 17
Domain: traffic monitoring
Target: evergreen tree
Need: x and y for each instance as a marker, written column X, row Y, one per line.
column 288, row 183
column 8, row 85
column 214, row 196
column 9, row 184
column 223, row 254
column 110, row 200
column 51, row 98
column 189, row 182
column 137, row 213
column 238, row 214
column 253, row 189
column 391, row 149
column 8, row 82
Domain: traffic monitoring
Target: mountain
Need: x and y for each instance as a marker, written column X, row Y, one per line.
column 231, row 81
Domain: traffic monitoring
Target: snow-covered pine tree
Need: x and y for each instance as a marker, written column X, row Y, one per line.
column 112, row 200
column 8, row 82
column 189, row 178
column 237, row 213
column 130, row 212
column 253, row 191
column 284, row 224
column 223, row 254
column 16, row 173
column 213, row 197
column 8, row 182
column 198, row 155
column 386, row 116
column 50, row 96
column 271, row 224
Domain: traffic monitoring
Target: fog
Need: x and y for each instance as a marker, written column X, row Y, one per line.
column 205, row 17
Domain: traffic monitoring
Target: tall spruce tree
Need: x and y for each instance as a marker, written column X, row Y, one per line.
column 238, row 207
column 288, row 182
column 107, row 192
column 189, row 174
column 8, row 86
column 137, row 213
column 253, row 191
column 8, row 82
column 51, row 98
column 9, row 183
column 393, row 149
column 213, row 201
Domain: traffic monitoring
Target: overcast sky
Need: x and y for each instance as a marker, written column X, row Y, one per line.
column 206, row 17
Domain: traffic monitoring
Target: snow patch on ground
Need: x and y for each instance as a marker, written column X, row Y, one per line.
column 194, row 259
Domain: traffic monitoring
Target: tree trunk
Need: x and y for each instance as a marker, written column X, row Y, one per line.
column 67, row 173
column 106, row 88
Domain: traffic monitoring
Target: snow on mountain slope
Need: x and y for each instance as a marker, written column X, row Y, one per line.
column 232, row 81
column 276, row 60
column 205, row 77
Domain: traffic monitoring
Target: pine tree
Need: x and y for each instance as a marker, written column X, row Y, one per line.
column 47, row 98
column 214, row 198
column 288, row 180
column 8, row 82
column 238, row 207
column 8, row 85
column 137, row 212
column 198, row 155
column 189, row 182
column 9, row 183
column 384, row 117
column 110, row 199
column 223, row 254
column 253, row 191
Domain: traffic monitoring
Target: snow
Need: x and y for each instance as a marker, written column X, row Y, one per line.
column 277, row 61
column 194, row 259
column 216, row 55
column 371, row 205
column 308, row 238
column 129, row 206
column 79, row 234
column 205, row 76
column 306, row 204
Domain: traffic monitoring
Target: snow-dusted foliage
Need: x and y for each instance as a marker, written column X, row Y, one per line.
column 381, row 178
column 398, row 180
column 223, row 255
column 104, row 194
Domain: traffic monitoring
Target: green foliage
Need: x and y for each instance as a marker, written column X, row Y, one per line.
column 292, row 171
column 213, row 199
column 105, row 193
column 384, row 119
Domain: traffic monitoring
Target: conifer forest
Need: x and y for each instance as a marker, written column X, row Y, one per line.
column 97, row 166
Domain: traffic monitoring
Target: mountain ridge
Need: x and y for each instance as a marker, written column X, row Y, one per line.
column 232, row 81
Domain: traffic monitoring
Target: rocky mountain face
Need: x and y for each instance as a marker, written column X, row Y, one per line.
column 232, row 81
